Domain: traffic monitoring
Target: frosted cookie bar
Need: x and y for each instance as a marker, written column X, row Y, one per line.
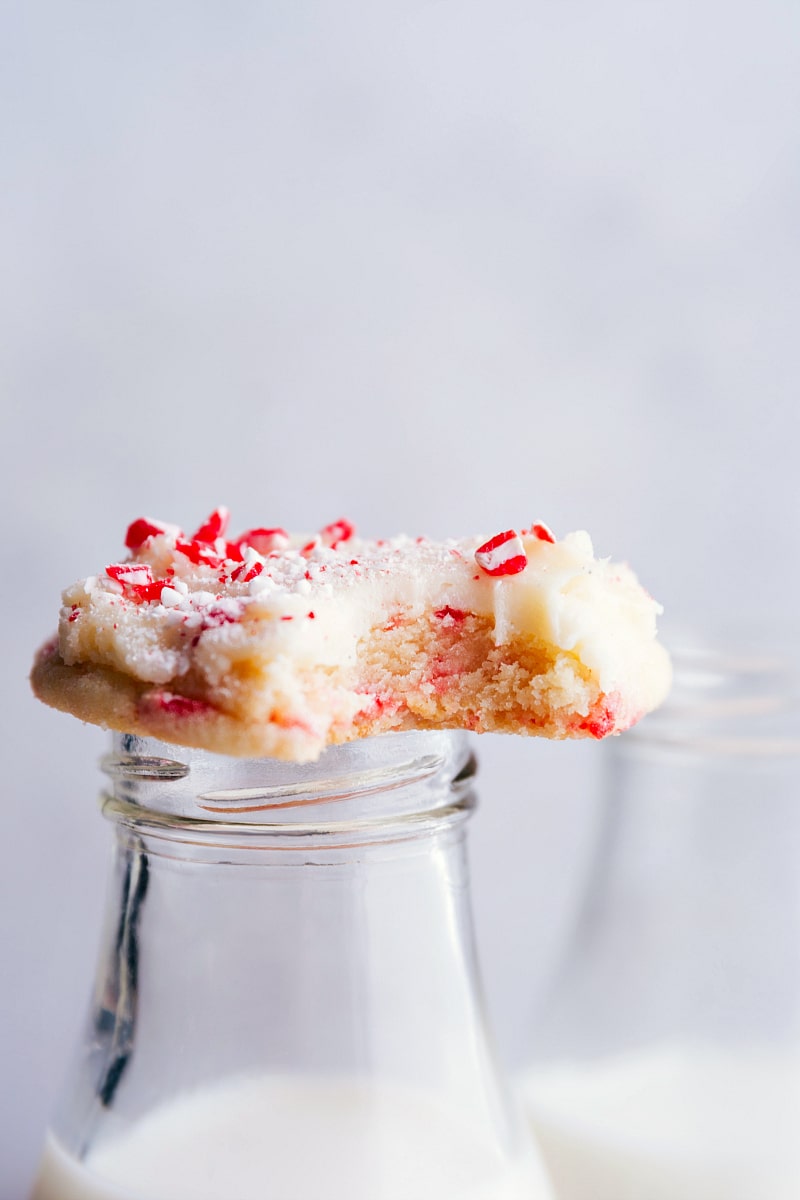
column 279, row 645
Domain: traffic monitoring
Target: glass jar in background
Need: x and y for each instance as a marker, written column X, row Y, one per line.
column 287, row 1000
column 665, row 1062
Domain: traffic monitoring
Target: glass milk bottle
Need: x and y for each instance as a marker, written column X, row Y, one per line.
column 666, row 1062
column 286, row 1004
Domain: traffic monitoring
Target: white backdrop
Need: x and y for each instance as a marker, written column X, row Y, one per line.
column 437, row 266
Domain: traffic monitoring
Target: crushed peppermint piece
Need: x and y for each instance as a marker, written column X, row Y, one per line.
column 144, row 528
column 178, row 706
column 146, row 592
column 222, row 612
column 246, row 572
column 130, row 574
column 265, row 541
column 261, row 583
column 199, row 553
column 504, row 554
column 455, row 615
column 543, row 532
column 337, row 532
column 214, row 527
column 170, row 597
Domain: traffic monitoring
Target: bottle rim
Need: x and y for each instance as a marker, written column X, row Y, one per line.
column 379, row 788
column 734, row 694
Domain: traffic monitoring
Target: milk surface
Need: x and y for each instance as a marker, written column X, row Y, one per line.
column 674, row 1124
column 285, row 1139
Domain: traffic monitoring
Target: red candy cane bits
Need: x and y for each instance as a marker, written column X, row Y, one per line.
column 543, row 533
column 337, row 532
column 455, row 615
column 137, row 580
column 130, row 574
column 264, row 540
column 504, row 554
column 247, row 571
column 200, row 553
column 140, row 530
column 214, row 527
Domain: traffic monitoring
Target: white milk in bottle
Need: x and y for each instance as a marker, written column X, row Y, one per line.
column 292, row 1139
column 672, row 1124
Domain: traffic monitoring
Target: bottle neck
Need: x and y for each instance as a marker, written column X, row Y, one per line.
column 354, row 800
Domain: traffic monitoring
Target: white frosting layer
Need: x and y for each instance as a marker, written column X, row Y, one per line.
column 310, row 605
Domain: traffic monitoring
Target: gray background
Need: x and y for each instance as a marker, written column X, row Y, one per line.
column 439, row 267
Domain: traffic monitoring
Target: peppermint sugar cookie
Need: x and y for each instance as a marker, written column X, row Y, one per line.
column 277, row 644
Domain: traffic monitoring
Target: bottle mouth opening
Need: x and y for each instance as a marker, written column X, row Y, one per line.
column 363, row 788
